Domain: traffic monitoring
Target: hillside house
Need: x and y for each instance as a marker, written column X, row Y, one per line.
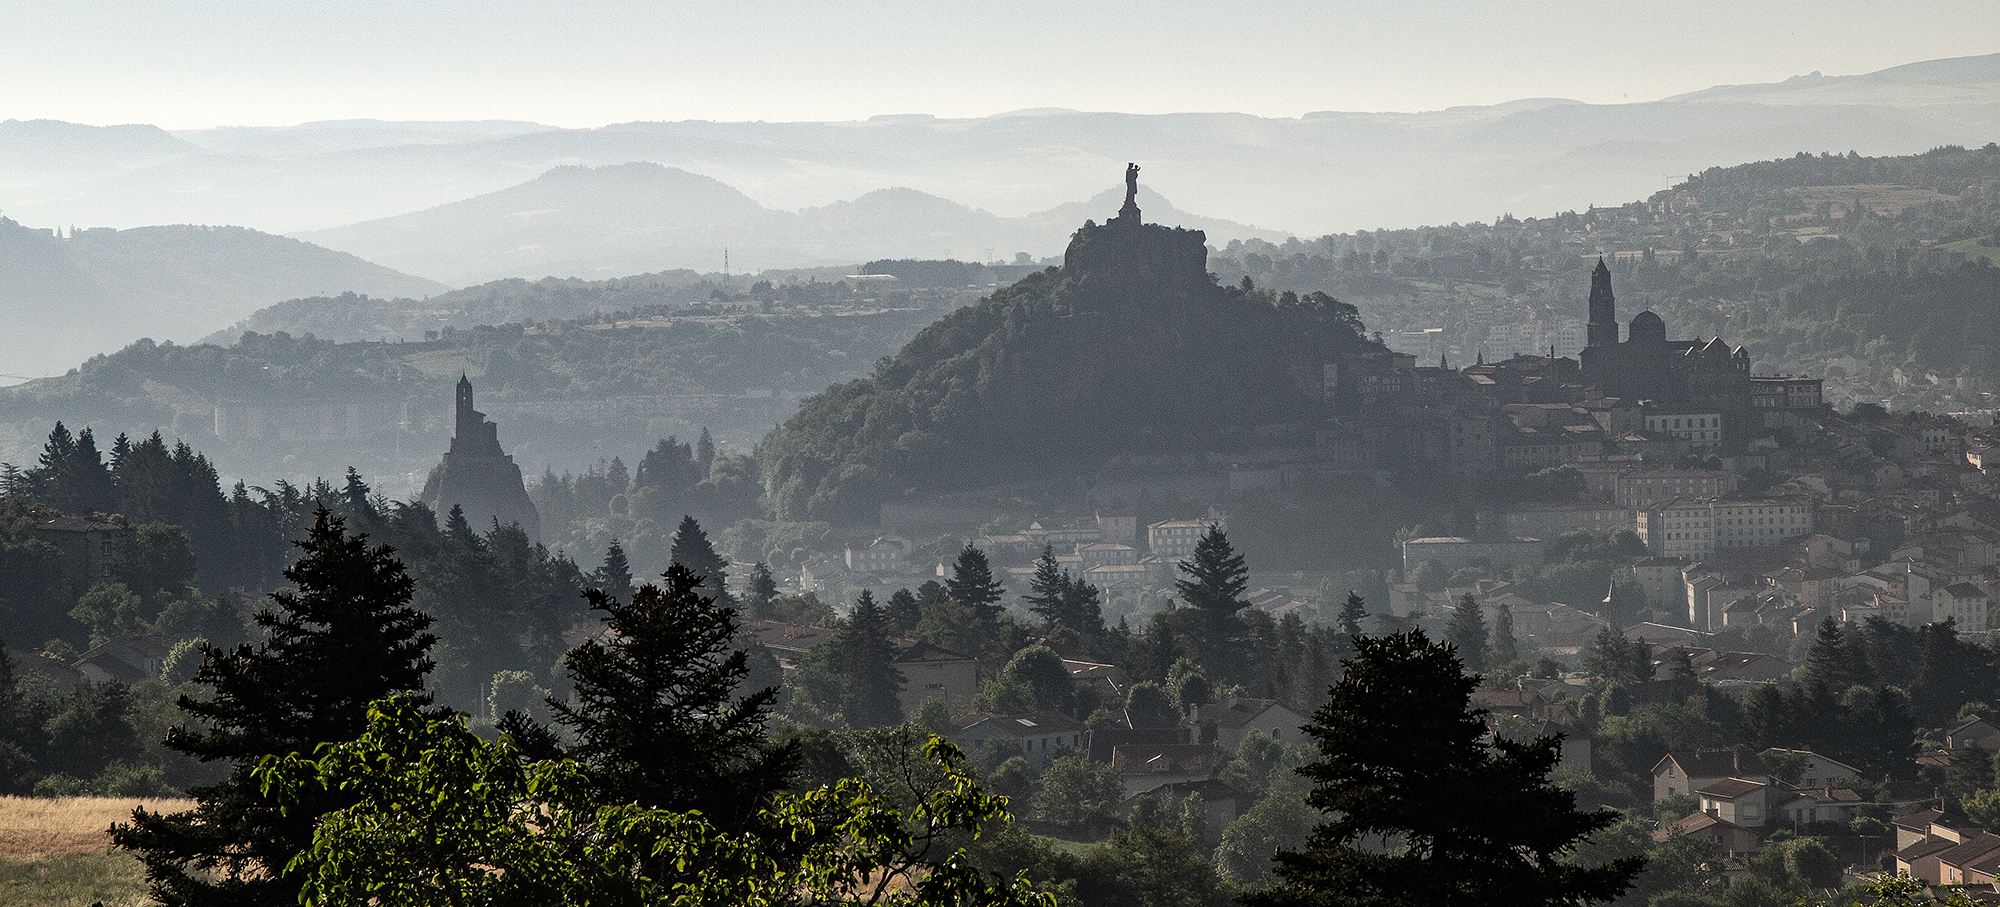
column 1150, row 767
column 1730, row 840
column 1238, row 717
column 1738, row 801
column 1815, row 771
column 1689, row 771
column 1039, row 737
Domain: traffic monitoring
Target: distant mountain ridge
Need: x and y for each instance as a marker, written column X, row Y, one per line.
column 93, row 291
column 1321, row 172
column 640, row 217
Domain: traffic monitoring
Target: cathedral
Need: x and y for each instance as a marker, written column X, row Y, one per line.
column 1646, row 366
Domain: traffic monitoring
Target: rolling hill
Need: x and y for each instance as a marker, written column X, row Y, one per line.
column 93, row 291
column 1319, row 172
column 637, row 217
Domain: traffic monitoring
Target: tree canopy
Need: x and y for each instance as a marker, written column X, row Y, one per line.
column 1422, row 810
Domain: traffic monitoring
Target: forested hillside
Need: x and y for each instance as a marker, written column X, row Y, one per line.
column 87, row 291
column 568, row 392
column 1843, row 266
column 1129, row 347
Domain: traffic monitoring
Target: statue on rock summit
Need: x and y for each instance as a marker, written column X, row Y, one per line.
column 1129, row 214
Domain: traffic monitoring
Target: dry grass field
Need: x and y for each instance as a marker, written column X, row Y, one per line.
column 31, row 827
column 56, row 852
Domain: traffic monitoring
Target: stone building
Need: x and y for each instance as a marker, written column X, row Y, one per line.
column 478, row 477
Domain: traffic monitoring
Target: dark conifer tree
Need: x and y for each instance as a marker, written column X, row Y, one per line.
column 903, row 611
column 1047, row 589
column 1212, row 582
column 759, row 591
column 1467, row 632
column 930, row 593
column 456, row 527
column 869, row 664
column 346, row 637
column 1352, row 612
column 1082, row 607
column 692, row 550
column 704, row 453
column 972, row 584
column 614, row 576
column 1403, row 757
column 71, row 475
column 1823, row 659
column 655, row 714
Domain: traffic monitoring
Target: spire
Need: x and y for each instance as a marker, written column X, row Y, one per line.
column 1603, row 328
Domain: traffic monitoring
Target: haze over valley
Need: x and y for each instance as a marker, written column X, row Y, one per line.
column 629, row 453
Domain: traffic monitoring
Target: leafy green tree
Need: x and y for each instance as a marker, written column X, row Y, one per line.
column 343, row 638
column 110, row 610
column 1039, row 671
column 1147, row 866
column 1149, row 706
column 441, row 818
column 1277, row 822
column 1467, row 632
column 1077, row 792
column 159, row 564
column 972, row 585
column 1402, row 758
column 90, row 731
column 954, row 626
column 654, row 712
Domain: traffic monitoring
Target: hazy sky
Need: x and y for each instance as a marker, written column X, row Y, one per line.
column 197, row 63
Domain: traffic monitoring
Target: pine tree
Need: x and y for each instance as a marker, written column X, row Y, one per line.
column 1467, row 632
column 71, row 475
column 1082, row 608
column 346, row 637
column 1213, row 582
column 704, row 452
column 759, row 591
column 614, row 576
column 904, row 613
column 1506, row 649
column 655, row 712
column 1402, row 758
column 972, row 585
column 692, row 550
column 930, row 593
column 868, row 665
column 1352, row 612
column 1823, row 661
column 1047, row 589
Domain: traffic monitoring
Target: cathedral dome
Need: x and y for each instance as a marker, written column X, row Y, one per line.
column 1648, row 329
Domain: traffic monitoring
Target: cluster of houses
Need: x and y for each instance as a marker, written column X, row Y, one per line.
column 1740, row 802
column 1104, row 550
